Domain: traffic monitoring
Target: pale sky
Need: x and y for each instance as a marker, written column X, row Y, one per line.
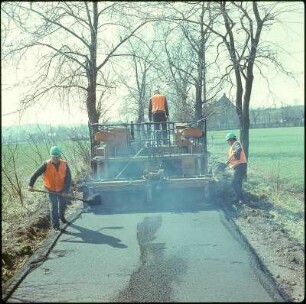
column 285, row 91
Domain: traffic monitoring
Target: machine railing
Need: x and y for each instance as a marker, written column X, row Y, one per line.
column 128, row 150
column 128, row 138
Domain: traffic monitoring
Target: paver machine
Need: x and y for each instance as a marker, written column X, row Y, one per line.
column 147, row 161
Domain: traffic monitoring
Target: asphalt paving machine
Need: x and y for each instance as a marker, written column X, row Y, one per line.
column 146, row 161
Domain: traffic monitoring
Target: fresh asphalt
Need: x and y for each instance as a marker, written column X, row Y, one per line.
column 169, row 250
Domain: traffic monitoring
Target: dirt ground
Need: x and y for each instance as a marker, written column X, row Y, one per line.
column 280, row 255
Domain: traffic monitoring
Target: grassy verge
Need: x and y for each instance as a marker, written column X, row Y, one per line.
column 275, row 172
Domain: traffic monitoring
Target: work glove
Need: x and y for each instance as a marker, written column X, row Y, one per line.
column 31, row 189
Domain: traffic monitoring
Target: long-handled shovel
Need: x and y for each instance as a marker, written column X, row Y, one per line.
column 92, row 200
column 218, row 168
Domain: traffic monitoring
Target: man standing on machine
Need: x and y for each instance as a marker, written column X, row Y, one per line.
column 158, row 112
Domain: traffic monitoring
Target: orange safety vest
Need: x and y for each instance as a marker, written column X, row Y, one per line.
column 233, row 162
column 54, row 180
column 158, row 103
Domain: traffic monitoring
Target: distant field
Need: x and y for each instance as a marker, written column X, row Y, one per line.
column 275, row 154
column 28, row 157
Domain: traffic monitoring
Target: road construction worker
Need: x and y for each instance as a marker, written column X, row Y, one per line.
column 56, row 179
column 158, row 112
column 237, row 161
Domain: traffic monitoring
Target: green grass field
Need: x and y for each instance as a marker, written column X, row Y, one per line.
column 275, row 154
column 28, row 157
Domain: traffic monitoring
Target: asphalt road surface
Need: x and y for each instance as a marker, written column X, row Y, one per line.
column 170, row 250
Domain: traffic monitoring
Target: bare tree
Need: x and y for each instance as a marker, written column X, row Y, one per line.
column 12, row 182
column 181, row 75
column 193, row 68
column 244, row 23
column 73, row 46
column 142, row 58
column 77, row 151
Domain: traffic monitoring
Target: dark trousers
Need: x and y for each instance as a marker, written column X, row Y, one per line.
column 160, row 117
column 239, row 175
column 57, row 208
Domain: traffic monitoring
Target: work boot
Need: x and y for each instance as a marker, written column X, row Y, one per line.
column 64, row 221
column 56, row 228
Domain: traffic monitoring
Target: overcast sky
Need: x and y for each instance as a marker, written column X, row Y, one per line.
column 289, row 36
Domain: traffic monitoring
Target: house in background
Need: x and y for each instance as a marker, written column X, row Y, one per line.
column 222, row 115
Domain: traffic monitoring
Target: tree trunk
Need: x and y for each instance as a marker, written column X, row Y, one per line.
column 140, row 112
column 244, row 134
column 93, row 115
column 91, row 101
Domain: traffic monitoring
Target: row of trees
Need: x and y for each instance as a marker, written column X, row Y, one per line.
column 87, row 52
column 43, row 133
column 224, row 117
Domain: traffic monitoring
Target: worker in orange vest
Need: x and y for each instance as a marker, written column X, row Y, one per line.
column 237, row 161
column 158, row 112
column 56, row 179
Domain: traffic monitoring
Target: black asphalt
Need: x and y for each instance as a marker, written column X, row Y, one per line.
column 127, row 251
